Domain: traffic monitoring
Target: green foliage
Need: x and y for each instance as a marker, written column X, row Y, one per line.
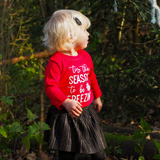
column 108, row 150
column 17, row 130
column 145, row 126
column 3, row 132
column 30, row 115
column 15, row 127
column 127, row 72
column 156, row 156
column 111, row 138
column 158, row 147
column 141, row 158
column 26, row 142
column 139, row 137
column 7, row 100
column 118, row 150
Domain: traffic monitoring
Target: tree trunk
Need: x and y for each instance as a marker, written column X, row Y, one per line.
column 135, row 24
column 122, row 24
column 42, row 108
column 135, row 28
column 41, row 8
column 2, row 52
column 42, row 95
column 55, row 5
column 48, row 7
column 3, row 9
column 158, row 3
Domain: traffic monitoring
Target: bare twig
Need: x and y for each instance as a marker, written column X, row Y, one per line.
column 21, row 58
column 146, row 42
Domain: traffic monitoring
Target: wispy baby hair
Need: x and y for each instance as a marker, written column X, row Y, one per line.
column 62, row 29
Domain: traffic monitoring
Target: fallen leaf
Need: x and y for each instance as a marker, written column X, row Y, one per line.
column 111, row 157
column 44, row 156
column 148, row 137
column 23, row 151
column 31, row 156
column 19, row 158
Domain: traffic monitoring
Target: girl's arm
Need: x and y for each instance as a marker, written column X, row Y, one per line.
column 52, row 77
column 97, row 104
column 73, row 107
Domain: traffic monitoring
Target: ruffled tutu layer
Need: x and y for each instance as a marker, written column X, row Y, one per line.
column 81, row 134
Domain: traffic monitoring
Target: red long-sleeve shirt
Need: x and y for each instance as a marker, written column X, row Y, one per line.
column 71, row 77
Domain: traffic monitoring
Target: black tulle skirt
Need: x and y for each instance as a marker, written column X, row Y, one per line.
column 81, row 134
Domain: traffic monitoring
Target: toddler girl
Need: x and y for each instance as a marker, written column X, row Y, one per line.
column 71, row 85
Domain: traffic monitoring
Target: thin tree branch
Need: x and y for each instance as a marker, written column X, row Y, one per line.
column 38, row 55
column 146, row 42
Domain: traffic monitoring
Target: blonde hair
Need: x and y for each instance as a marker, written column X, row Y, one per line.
column 62, row 29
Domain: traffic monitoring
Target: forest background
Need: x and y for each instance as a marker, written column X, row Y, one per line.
column 124, row 46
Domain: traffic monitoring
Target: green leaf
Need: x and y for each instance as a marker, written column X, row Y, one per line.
column 3, row 116
column 128, row 70
column 44, row 126
column 145, row 125
column 32, row 129
column 30, row 115
column 0, row 56
column 156, row 156
column 26, row 142
column 8, row 127
column 8, row 97
column 3, row 132
column 138, row 135
column 157, row 145
column 37, row 136
column 7, row 100
column 15, row 127
column 137, row 148
column 6, row 150
column 141, row 158
column 119, row 151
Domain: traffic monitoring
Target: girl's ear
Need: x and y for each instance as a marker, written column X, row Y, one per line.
column 71, row 39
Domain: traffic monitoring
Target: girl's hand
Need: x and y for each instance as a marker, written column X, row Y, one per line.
column 97, row 104
column 73, row 107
